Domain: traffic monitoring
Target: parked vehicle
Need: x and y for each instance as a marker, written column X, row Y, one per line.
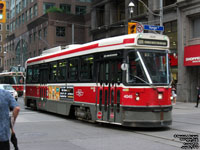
column 9, row 88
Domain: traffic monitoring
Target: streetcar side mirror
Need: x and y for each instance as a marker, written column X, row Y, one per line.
column 124, row 66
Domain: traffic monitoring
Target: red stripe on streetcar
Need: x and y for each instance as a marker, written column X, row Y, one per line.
column 125, row 41
column 65, row 53
column 128, row 41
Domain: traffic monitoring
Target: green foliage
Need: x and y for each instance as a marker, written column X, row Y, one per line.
column 54, row 9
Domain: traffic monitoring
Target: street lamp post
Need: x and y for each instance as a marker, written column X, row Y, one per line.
column 132, row 5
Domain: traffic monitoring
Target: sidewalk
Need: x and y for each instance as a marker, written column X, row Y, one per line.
column 186, row 107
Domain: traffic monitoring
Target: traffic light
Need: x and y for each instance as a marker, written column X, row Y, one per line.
column 2, row 11
column 132, row 26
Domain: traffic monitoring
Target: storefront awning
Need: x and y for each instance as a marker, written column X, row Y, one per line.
column 192, row 55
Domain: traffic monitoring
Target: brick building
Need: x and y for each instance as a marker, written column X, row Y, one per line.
column 33, row 28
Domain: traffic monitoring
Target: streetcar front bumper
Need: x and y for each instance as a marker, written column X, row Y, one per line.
column 147, row 116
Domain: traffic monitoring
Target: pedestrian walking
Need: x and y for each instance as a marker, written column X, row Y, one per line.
column 174, row 94
column 7, row 103
column 198, row 96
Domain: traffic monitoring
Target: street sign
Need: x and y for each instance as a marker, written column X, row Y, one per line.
column 155, row 28
column 139, row 28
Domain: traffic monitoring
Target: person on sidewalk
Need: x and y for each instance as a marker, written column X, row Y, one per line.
column 198, row 96
column 7, row 103
column 174, row 94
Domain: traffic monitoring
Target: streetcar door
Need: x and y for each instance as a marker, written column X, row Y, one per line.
column 109, row 79
column 43, row 86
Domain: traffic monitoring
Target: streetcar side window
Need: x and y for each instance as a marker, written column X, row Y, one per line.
column 62, row 70
column 73, row 69
column 29, row 75
column 53, row 72
column 86, row 70
column 35, row 77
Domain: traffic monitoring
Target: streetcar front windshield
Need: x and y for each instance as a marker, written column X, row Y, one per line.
column 148, row 67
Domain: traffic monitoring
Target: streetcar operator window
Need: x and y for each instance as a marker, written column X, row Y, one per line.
column 156, row 65
column 135, row 73
column 29, row 75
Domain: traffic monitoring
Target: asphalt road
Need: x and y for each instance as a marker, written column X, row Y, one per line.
column 37, row 130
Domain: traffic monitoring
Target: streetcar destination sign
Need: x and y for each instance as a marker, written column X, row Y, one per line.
column 152, row 42
column 155, row 28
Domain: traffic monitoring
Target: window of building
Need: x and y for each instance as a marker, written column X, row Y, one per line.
column 17, row 8
column 7, row 27
column 0, row 37
column 31, row 13
column 26, row 15
column 45, row 32
column 35, row 10
column 39, row 34
column 46, row 6
column 23, row 18
column 80, row 10
column 168, row 2
column 100, row 13
column 0, row 48
column 171, row 32
column 118, row 11
column 66, row 8
column 34, row 36
column 7, row 15
column 60, row 31
column 30, row 38
column 195, row 26
column 1, row 26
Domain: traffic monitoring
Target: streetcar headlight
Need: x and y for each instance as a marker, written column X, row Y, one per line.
column 137, row 97
column 160, row 96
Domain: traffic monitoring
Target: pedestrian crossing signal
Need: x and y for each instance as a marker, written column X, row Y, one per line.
column 132, row 27
column 2, row 11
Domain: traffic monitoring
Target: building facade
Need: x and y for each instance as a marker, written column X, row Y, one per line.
column 188, row 49
column 4, row 32
column 36, row 25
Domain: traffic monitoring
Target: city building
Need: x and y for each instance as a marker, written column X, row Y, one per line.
column 188, row 49
column 4, row 32
column 36, row 25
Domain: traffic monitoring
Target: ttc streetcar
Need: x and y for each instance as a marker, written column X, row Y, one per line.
column 122, row 80
column 16, row 79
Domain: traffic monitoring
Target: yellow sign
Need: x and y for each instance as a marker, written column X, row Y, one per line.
column 132, row 27
column 2, row 12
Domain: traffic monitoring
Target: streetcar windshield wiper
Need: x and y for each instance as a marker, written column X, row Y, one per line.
column 142, row 80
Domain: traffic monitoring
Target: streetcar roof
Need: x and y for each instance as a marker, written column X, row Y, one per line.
column 107, row 44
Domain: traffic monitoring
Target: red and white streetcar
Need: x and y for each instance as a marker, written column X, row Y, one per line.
column 16, row 79
column 121, row 80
